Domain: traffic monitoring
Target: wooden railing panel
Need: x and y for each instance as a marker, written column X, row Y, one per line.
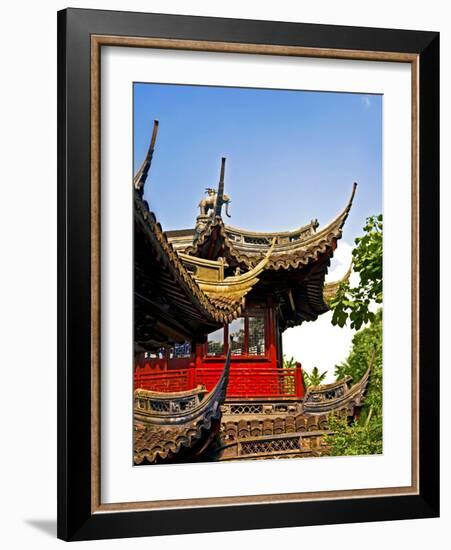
column 252, row 382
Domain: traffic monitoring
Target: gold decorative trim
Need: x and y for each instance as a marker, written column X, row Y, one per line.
column 258, row 49
column 97, row 41
column 95, row 277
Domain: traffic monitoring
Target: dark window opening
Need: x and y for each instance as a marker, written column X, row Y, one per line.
column 256, row 335
column 245, row 335
column 180, row 350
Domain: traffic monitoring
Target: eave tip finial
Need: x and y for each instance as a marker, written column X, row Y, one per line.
column 141, row 176
column 220, row 192
column 154, row 134
column 354, row 189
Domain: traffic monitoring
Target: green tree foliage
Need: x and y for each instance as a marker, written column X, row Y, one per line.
column 289, row 363
column 363, row 435
column 363, row 344
column 314, row 378
column 353, row 303
column 354, row 440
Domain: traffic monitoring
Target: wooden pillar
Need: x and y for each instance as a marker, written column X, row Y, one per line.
column 299, row 382
column 199, row 350
column 272, row 332
column 191, row 378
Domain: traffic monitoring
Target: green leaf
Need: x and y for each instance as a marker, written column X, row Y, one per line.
column 352, row 304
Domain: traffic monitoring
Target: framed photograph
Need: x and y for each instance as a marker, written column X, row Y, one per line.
column 248, row 272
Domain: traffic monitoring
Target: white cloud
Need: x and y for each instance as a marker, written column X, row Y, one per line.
column 340, row 264
column 318, row 344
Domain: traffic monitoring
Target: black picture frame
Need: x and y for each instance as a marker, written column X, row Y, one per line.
column 76, row 518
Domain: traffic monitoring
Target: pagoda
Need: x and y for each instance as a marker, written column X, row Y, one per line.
column 211, row 303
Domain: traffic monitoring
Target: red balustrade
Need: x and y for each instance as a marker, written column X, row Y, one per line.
column 166, row 381
column 251, row 376
column 243, row 381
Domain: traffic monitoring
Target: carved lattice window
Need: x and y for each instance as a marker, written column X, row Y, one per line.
column 237, row 333
column 180, row 350
column 256, row 335
column 265, row 446
column 159, row 406
column 215, row 344
column 248, row 336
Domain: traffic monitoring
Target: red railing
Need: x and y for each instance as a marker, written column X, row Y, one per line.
column 243, row 381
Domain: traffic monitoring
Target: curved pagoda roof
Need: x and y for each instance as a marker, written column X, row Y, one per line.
column 294, row 274
column 169, row 305
column 292, row 249
column 174, row 302
column 177, row 426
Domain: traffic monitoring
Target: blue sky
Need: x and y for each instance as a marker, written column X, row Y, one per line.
column 291, row 155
